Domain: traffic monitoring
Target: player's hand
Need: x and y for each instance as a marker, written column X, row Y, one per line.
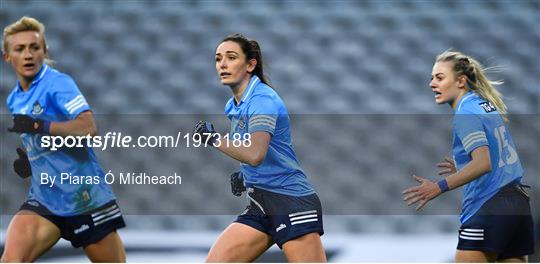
column 237, row 184
column 447, row 167
column 21, row 166
column 206, row 131
column 422, row 193
column 27, row 124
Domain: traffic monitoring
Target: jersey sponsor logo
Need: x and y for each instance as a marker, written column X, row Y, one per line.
column 488, row 107
column 37, row 109
column 81, row 229
column 280, row 227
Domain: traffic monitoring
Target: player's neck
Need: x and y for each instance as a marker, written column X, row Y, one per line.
column 25, row 83
column 458, row 98
column 239, row 89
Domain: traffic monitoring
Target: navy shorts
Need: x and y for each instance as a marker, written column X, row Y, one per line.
column 83, row 229
column 283, row 217
column 503, row 225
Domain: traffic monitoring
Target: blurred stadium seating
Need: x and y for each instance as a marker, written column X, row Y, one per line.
column 354, row 74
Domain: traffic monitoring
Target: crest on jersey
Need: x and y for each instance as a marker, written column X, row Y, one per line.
column 85, row 196
column 241, row 123
column 37, row 109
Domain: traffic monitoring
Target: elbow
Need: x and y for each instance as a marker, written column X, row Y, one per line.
column 256, row 160
column 91, row 130
column 485, row 167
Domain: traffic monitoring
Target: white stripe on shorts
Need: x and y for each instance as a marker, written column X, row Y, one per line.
column 303, row 217
column 471, row 238
column 303, row 213
column 108, row 218
column 304, row 221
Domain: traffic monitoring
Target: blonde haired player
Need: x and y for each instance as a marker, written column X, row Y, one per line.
column 47, row 102
column 496, row 217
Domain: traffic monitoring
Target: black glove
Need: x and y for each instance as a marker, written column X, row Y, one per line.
column 205, row 130
column 237, row 184
column 21, row 166
column 26, row 124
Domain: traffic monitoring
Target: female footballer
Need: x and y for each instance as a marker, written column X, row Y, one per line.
column 496, row 216
column 283, row 207
column 47, row 102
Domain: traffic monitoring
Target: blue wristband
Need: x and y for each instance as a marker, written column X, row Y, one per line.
column 443, row 184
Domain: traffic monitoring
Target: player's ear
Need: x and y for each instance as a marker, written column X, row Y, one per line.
column 6, row 57
column 251, row 65
column 462, row 81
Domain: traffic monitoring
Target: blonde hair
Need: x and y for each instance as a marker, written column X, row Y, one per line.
column 26, row 24
column 477, row 81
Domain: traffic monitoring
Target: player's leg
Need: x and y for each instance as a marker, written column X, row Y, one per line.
column 239, row 243
column 468, row 256
column 522, row 259
column 307, row 248
column 297, row 226
column 28, row 236
column 108, row 249
column 96, row 232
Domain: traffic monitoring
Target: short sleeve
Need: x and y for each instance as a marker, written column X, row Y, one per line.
column 262, row 115
column 68, row 97
column 470, row 130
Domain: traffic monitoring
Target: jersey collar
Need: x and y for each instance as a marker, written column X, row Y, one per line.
column 249, row 90
column 39, row 76
column 463, row 99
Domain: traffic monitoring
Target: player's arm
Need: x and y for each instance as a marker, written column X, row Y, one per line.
column 428, row 190
column 252, row 155
column 82, row 125
column 479, row 165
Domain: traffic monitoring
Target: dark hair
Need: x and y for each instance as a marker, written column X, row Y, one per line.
column 252, row 50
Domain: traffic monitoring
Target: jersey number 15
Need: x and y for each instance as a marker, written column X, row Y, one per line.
column 507, row 154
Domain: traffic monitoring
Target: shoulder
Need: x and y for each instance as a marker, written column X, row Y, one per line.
column 60, row 77
column 60, row 82
column 475, row 105
column 265, row 93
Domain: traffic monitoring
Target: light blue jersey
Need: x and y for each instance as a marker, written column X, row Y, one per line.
column 55, row 97
column 478, row 123
column 261, row 109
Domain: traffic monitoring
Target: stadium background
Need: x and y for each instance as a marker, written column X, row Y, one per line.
column 354, row 75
